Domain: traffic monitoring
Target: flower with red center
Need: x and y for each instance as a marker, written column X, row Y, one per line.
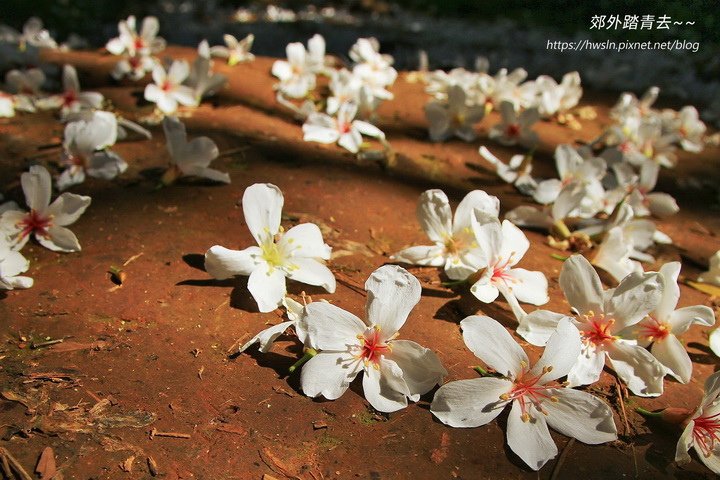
column 703, row 430
column 503, row 246
column 144, row 43
column 538, row 399
column 455, row 247
column 72, row 100
column 344, row 129
column 515, row 128
column 45, row 221
column 604, row 318
column 393, row 370
column 168, row 90
column 659, row 330
column 453, row 117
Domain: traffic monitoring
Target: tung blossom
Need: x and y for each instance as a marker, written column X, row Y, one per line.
column 394, row 370
column 703, row 430
column 515, row 129
column 12, row 264
column 659, row 329
column 189, row 158
column 45, row 221
column 236, row 51
column 455, row 117
column 455, row 247
column 344, row 129
column 601, row 316
column 297, row 254
column 712, row 276
column 143, row 44
column 72, row 99
column 297, row 73
column 538, row 400
column 168, row 90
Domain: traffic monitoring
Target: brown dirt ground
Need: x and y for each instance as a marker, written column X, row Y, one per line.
column 158, row 351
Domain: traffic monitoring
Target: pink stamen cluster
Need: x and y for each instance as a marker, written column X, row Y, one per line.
column 706, row 432
column 529, row 392
column 35, row 223
column 372, row 348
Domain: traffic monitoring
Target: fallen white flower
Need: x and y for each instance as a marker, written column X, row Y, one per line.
column 189, row 158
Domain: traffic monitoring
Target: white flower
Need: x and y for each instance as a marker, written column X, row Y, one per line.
column 86, row 149
column 347, row 132
column 297, row 254
column 515, row 129
column 556, row 98
column 45, row 221
column 134, row 67
column 189, row 158
column 27, row 82
column 455, row 246
column 517, row 171
column 600, row 317
column 538, row 399
column 371, row 66
column 168, row 90
column 703, row 431
column 394, row 370
column 146, row 43
column 72, row 99
column 35, row 35
column 503, row 246
column 712, row 276
column 235, row 51
column 7, row 105
column 569, row 200
column 344, row 88
column 297, row 74
column 639, row 190
column 201, row 77
column 663, row 324
column 12, row 264
column 689, row 130
column 455, row 117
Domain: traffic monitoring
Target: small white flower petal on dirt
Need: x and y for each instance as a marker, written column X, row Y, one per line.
column 455, row 247
column 538, row 400
column 266, row 337
column 277, row 256
column 236, row 51
column 168, row 91
column 703, row 430
column 712, row 276
column 394, row 370
column 191, row 158
column 343, row 130
column 517, row 171
column 12, row 264
column 45, row 220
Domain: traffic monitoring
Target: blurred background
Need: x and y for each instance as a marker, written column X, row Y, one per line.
column 509, row 34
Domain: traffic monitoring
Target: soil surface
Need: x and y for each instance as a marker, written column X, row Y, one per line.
column 158, row 353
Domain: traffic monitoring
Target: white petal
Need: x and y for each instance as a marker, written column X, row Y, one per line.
column 330, row 327
column 435, row 216
column 320, row 134
column 538, row 326
column 580, row 415
column 588, row 367
column 392, row 292
column 475, row 200
column 561, row 352
column 671, row 291
column 514, row 242
column 222, row 263
column 179, row 70
column 305, row 240
column 282, row 69
column 637, row 368
column 547, row 191
column 684, row 443
column 421, row 368
column 59, row 239
column 470, row 403
column 531, row 440
column 484, row 291
column 350, row 141
column 671, row 353
column 531, row 287
column 662, row 205
column 329, row 374
column 166, row 103
column 106, row 165
column 267, row 286
column 368, row 129
column 208, row 173
column 431, row 256
column 531, row 217
column 492, row 344
column 262, row 206
column 266, row 337
column 636, row 296
column 714, row 341
column 153, row 93
column 37, row 186
column 384, row 387
column 581, row 285
column 67, row 208
column 713, row 461
column 681, row 319
column 311, row 272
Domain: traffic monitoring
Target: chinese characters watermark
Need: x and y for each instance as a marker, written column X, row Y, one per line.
column 634, row 22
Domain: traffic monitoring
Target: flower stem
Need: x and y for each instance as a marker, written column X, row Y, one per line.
column 454, row 283
column 481, row 371
column 562, row 229
column 309, row 353
column 557, row 256
column 648, row 413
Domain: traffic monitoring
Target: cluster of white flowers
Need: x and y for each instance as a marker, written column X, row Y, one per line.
column 137, row 49
column 353, row 93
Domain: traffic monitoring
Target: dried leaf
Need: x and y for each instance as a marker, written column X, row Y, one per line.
column 46, row 464
column 705, row 288
column 127, row 465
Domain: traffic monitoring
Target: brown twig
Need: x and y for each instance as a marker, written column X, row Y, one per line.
column 350, row 283
column 14, row 464
column 35, row 346
column 155, row 433
column 561, row 459
column 618, row 387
